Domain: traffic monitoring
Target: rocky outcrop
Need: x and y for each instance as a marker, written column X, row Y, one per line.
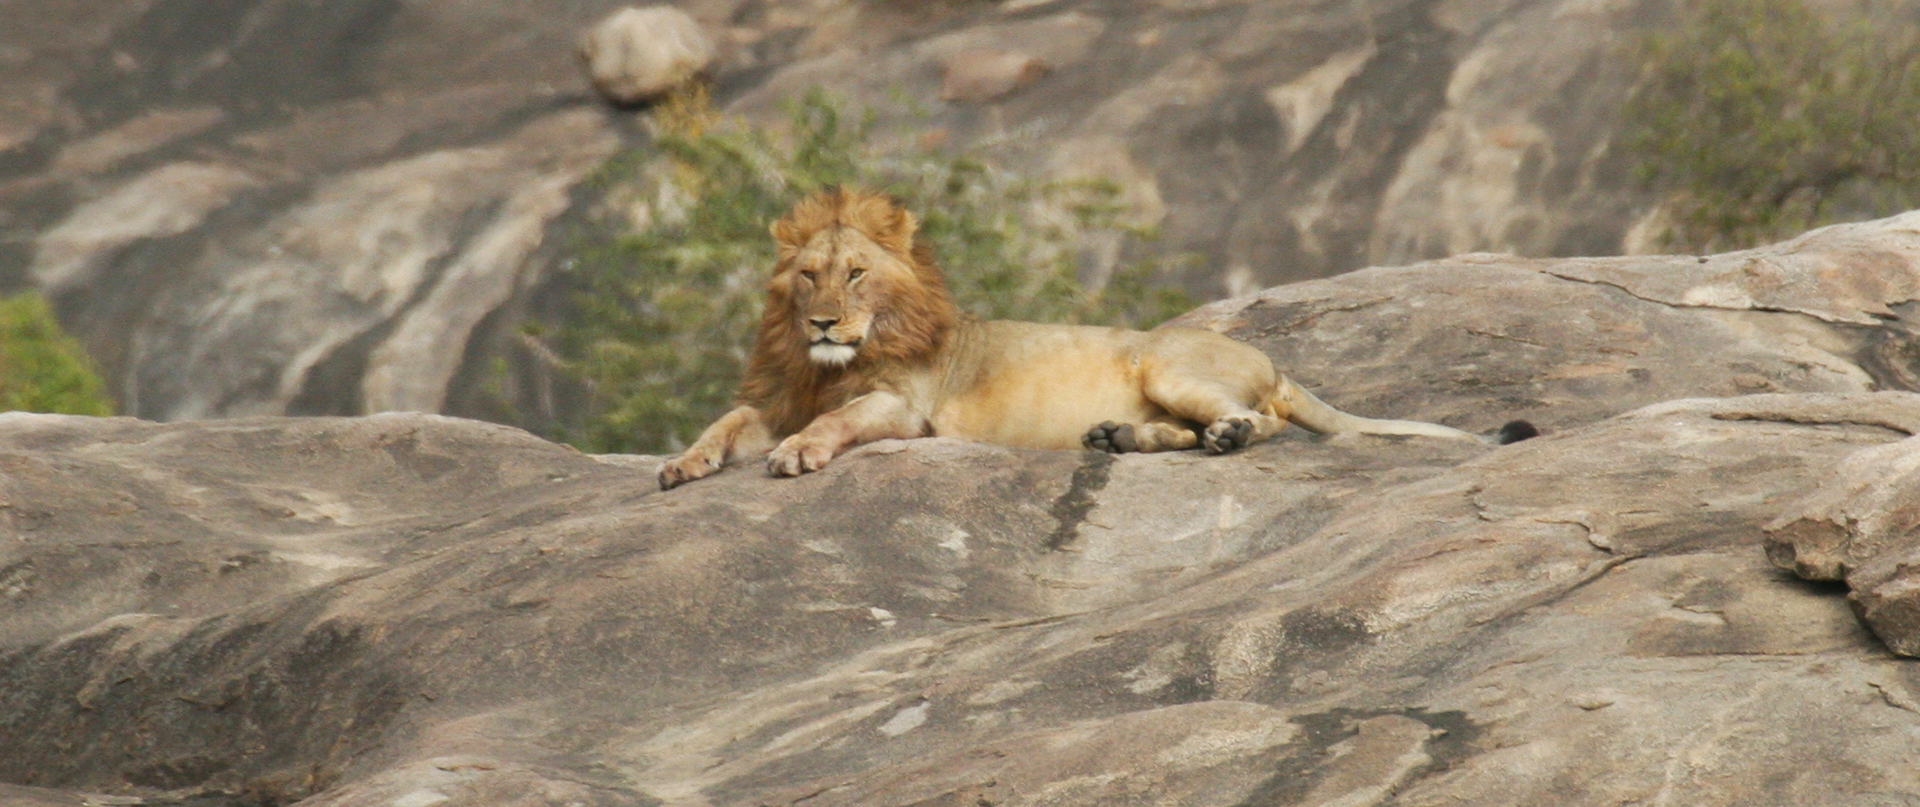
column 273, row 206
column 1571, row 341
column 1859, row 527
column 413, row 609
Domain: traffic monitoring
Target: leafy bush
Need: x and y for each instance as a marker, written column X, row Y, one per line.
column 1761, row 119
column 42, row 369
column 667, row 308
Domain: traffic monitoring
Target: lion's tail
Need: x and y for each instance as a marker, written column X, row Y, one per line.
column 1296, row 404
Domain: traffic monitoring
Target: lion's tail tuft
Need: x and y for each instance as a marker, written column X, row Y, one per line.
column 1515, row 431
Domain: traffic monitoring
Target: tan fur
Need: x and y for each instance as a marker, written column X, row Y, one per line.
column 851, row 283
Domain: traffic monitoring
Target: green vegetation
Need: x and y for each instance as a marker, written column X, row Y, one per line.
column 671, row 286
column 42, row 369
column 1761, row 119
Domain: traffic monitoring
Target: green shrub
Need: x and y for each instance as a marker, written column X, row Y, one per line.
column 42, row 369
column 668, row 306
column 1760, row 119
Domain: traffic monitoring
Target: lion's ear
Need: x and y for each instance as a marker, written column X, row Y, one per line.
column 896, row 234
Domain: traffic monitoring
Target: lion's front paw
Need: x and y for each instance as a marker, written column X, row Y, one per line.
column 1111, row 437
column 687, row 467
column 1228, row 434
column 798, row 455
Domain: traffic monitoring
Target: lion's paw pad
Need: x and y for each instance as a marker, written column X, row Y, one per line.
column 1111, row 437
column 1228, row 434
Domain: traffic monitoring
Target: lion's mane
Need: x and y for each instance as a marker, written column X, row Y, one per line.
column 912, row 321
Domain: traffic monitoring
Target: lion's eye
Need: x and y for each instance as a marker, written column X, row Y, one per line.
column 807, row 276
column 856, row 273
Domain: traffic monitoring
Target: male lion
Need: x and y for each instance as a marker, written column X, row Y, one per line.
column 860, row 342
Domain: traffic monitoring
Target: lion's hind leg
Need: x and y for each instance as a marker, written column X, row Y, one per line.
column 1203, row 377
column 1236, row 430
column 1225, row 406
column 1157, row 434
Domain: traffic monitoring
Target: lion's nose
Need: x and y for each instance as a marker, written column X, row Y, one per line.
column 823, row 323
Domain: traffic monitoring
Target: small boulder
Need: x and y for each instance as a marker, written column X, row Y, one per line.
column 1862, row 526
column 1886, row 595
column 1867, row 509
column 977, row 76
column 640, row 54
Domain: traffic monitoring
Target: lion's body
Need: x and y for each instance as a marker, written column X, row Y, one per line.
column 1042, row 386
column 860, row 342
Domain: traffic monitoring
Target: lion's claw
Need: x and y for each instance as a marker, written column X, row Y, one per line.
column 1228, row 434
column 795, row 456
column 1111, row 437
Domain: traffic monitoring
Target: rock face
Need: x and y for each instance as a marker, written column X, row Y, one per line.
column 272, row 206
column 412, row 610
column 1860, row 527
column 977, row 76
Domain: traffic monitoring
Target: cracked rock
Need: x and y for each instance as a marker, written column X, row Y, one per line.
column 1862, row 526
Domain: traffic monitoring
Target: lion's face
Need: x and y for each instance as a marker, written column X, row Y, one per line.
column 840, row 283
column 852, row 291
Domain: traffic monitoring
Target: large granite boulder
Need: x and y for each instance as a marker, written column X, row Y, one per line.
column 415, row 610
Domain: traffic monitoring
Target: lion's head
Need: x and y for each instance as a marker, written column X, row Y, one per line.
column 851, row 293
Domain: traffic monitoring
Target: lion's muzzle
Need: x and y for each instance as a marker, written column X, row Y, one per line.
column 831, row 344
column 831, row 353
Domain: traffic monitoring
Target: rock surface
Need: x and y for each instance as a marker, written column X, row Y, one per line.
column 171, row 170
column 415, row 610
column 976, row 76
